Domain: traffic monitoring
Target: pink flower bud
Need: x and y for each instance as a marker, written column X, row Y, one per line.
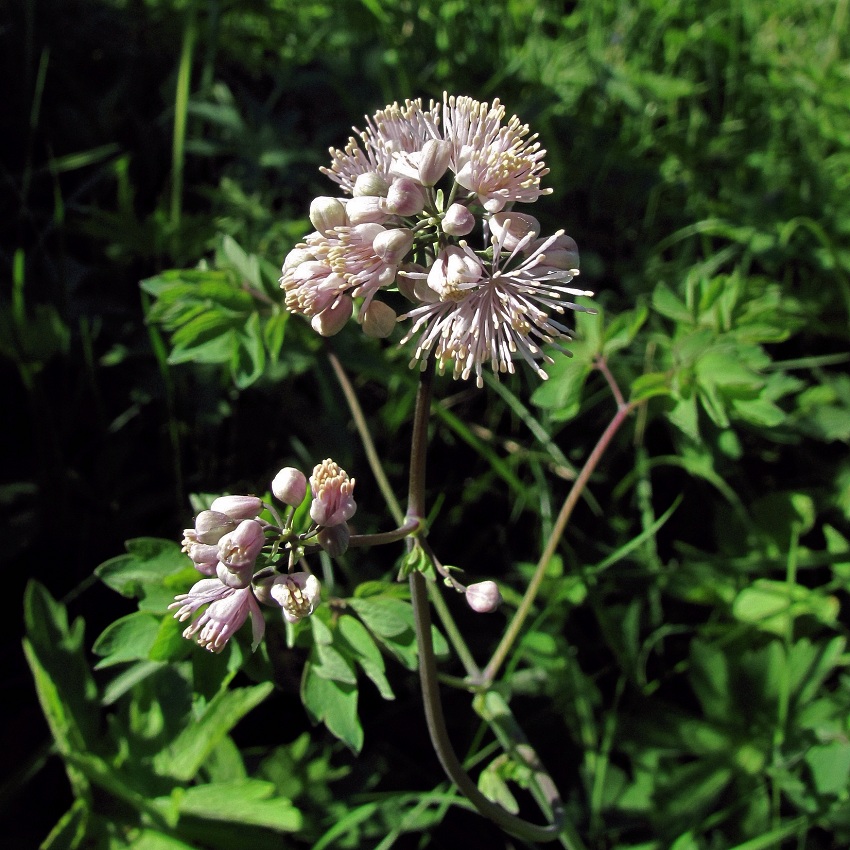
column 327, row 213
column 458, row 221
column 332, row 319
column 562, row 253
column 240, row 548
column 333, row 494
column 367, row 209
column 211, row 526
column 454, row 273
column 290, row 486
column 433, row 161
column 234, row 578
column 378, row 319
column 511, row 228
column 392, row 245
column 335, row 540
column 238, row 507
column 204, row 556
column 368, row 184
column 483, row 596
column 297, row 594
column 405, row 197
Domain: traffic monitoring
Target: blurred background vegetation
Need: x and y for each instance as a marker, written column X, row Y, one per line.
column 687, row 690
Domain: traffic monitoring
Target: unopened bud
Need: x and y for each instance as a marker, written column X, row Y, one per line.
column 434, row 161
column 235, row 578
column 405, row 197
column 295, row 257
column 334, row 540
column 562, row 253
column 370, row 184
column 393, row 245
column 211, row 526
column 204, row 556
column 512, row 227
column 290, row 486
column 327, row 213
column 483, row 596
column 332, row 319
column 458, row 221
column 366, row 209
column 240, row 548
column 378, row 319
column 238, row 507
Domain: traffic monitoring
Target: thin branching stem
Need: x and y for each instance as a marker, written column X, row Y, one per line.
column 560, row 525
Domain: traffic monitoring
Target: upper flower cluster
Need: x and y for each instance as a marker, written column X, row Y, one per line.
column 248, row 559
column 395, row 228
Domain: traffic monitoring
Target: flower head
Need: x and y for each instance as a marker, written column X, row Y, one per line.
column 333, row 494
column 297, row 594
column 227, row 610
column 390, row 134
column 502, row 313
column 496, row 162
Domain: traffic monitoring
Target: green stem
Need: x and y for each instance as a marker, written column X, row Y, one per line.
column 428, row 663
column 570, row 502
column 366, row 438
column 181, row 108
column 440, row 739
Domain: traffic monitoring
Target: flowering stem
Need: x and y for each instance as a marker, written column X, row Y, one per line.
column 513, row 630
column 366, row 439
column 428, row 663
column 440, row 739
column 407, row 529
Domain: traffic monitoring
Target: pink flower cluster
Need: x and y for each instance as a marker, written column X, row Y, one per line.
column 240, row 552
column 395, row 228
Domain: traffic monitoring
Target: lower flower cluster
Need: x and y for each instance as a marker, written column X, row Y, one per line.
column 248, row 559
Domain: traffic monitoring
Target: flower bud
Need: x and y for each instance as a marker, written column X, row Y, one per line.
column 332, row 319
column 327, row 213
column 562, row 253
column 204, row 556
column 378, row 319
column 333, row 494
column 295, row 257
column 405, row 197
column 434, row 161
column 236, row 579
column 211, row 526
column 512, row 227
column 335, row 540
column 238, row 507
column 458, row 221
column 240, row 548
column 366, row 209
column 483, row 596
column 290, row 486
column 392, row 245
column 297, row 594
column 368, row 184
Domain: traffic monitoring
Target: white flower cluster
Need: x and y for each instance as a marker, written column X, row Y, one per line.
column 396, row 228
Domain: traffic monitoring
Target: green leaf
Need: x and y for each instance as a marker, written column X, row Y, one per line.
column 147, row 567
column 334, row 704
column 129, row 638
column 384, row 617
column 247, row 801
column 66, row 690
column 186, row 754
column 773, row 605
column 670, row 305
column 330, row 663
column 362, row 647
column 830, row 766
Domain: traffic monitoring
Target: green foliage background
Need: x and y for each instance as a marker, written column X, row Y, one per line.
column 684, row 673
